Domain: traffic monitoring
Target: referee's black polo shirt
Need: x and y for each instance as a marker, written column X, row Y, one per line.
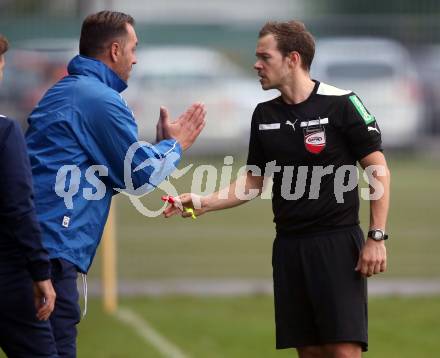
column 331, row 127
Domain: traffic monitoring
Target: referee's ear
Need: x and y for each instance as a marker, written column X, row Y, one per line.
column 294, row 59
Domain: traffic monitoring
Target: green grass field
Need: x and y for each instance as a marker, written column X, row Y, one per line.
column 244, row 327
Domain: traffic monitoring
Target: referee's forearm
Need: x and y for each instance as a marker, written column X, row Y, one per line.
column 379, row 208
column 244, row 189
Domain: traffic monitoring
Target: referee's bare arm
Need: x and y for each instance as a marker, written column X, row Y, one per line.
column 373, row 257
column 222, row 199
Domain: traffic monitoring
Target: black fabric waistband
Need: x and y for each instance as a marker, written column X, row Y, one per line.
column 321, row 233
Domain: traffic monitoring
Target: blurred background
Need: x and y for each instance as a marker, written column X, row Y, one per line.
column 202, row 288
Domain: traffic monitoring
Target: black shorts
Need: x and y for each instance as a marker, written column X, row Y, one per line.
column 319, row 297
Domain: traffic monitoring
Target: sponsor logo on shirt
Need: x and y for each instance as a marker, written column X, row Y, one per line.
column 314, row 134
column 367, row 117
column 315, row 142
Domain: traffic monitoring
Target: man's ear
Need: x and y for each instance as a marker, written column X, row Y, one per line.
column 294, row 59
column 115, row 51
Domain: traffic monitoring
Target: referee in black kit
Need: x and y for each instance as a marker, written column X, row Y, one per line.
column 310, row 138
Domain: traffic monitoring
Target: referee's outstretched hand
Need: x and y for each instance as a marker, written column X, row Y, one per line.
column 372, row 258
column 187, row 200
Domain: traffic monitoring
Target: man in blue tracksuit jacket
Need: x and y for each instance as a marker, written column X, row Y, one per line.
column 78, row 137
column 27, row 296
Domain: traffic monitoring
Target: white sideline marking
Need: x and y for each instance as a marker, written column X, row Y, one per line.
column 149, row 334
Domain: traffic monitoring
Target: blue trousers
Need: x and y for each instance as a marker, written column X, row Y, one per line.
column 67, row 312
column 22, row 335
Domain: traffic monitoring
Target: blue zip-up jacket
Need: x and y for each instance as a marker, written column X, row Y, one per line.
column 20, row 234
column 82, row 121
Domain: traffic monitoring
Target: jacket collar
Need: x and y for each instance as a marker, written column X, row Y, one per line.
column 87, row 66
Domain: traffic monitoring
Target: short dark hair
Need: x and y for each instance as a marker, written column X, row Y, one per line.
column 100, row 29
column 4, row 44
column 292, row 36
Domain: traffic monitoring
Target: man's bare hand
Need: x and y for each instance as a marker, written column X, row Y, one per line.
column 372, row 258
column 44, row 298
column 163, row 117
column 185, row 129
column 186, row 200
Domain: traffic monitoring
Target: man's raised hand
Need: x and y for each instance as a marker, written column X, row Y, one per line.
column 185, row 129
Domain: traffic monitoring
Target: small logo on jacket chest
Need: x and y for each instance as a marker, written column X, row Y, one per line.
column 66, row 221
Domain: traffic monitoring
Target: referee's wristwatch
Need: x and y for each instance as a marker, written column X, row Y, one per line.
column 377, row 235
